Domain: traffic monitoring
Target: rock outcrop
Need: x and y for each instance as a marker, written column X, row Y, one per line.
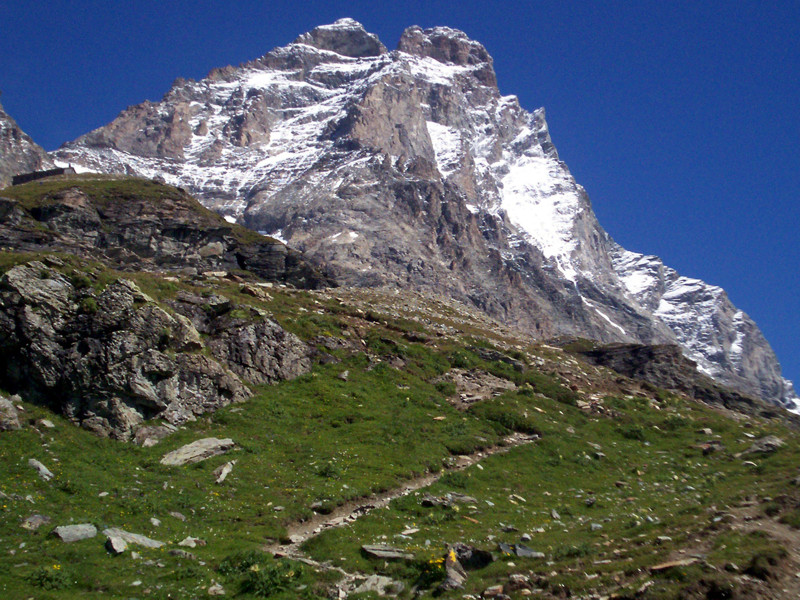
column 112, row 358
column 666, row 367
column 134, row 223
column 410, row 169
column 9, row 418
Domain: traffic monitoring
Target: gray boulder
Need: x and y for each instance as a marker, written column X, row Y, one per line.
column 455, row 575
column 75, row 533
column 132, row 538
column 380, row 585
column 35, row 521
column 384, row 551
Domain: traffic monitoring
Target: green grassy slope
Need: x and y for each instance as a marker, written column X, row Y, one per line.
column 324, row 440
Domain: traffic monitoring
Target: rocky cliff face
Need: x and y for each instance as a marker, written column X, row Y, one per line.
column 18, row 152
column 110, row 357
column 409, row 168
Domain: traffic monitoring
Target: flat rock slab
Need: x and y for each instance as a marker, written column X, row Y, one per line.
column 132, row 538
column 384, row 551
column 673, row 563
column 197, row 451
column 523, row 551
column 43, row 471
column 75, row 533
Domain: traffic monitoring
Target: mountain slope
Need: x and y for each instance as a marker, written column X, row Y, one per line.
column 410, row 169
column 591, row 480
column 18, row 152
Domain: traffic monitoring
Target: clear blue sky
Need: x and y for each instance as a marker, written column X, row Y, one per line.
column 681, row 119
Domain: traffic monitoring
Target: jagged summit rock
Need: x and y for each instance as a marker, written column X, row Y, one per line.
column 346, row 37
column 410, row 169
column 448, row 45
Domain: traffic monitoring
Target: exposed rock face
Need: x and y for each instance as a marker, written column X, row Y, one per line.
column 724, row 342
column 134, row 222
column 112, row 359
column 410, row 169
column 9, row 418
column 667, row 367
column 18, row 152
column 449, row 46
column 262, row 352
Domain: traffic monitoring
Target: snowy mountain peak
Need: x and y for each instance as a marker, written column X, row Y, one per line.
column 448, row 45
column 346, row 37
column 409, row 168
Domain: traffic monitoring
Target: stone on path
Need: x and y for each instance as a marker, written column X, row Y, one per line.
column 197, row 451
column 75, row 533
